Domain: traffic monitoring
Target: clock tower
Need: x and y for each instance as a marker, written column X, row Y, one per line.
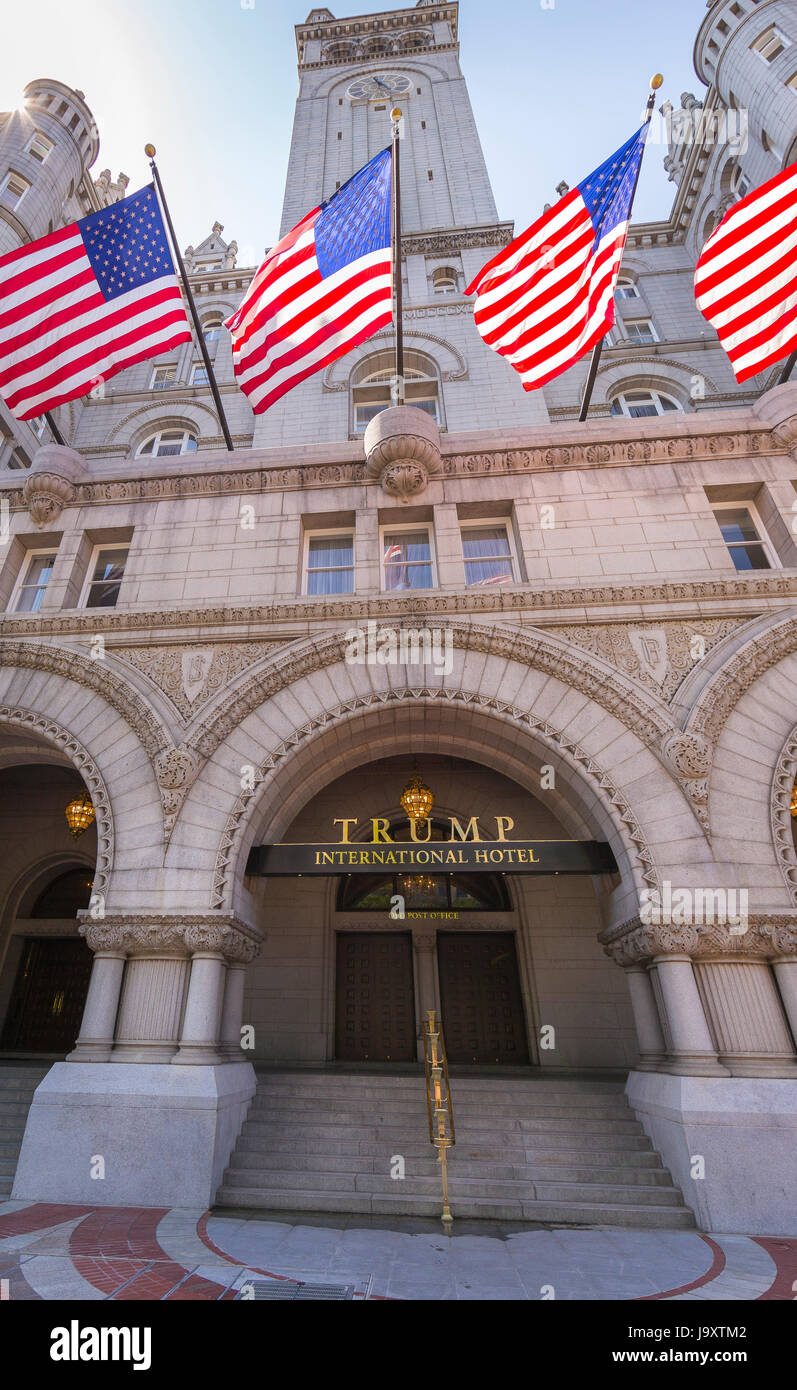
column 352, row 73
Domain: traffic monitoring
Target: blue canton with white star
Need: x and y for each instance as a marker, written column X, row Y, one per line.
column 356, row 220
column 609, row 190
column 126, row 244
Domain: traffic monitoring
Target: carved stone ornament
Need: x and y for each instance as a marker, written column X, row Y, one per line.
column 761, row 937
column 162, row 934
column 175, row 769
column 50, row 484
column 402, row 450
column 690, row 757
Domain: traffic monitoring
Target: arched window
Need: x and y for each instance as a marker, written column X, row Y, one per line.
column 413, row 41
column 375, row 48
column 626, row 288
column 740, row 184
column 167, row 443
column 372, row 382
column 444, row 280
column 66, row 895
column 211, row 327
column 636, row 405
column 421, row 892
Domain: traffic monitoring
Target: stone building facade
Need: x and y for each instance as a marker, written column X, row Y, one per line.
column 613, row 607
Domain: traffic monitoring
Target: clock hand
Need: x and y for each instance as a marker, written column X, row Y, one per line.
column 380, row 83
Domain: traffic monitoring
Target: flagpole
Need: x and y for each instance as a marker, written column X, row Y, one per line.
column 54, row 430
column 149, row 151
column 397, row 282
column 655, row 83
column 787, row 370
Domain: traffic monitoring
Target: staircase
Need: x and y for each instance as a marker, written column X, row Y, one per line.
column 564, row 1150
column 18, row 1081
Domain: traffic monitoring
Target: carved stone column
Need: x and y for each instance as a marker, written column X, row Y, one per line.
column 153, row 994
column 102, row 1002
column 692, row 1049
column 211, row 943
column 786, row 975
column 232, row 1012
column 652, row 1049
column 743, row 1008
column 424, row 944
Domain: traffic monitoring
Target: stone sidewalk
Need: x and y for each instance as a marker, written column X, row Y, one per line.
column 145, row 1253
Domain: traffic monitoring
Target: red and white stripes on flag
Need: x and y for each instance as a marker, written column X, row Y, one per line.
column 84, row 303
column 746, row 278
column 325, row 288
column 549, row 296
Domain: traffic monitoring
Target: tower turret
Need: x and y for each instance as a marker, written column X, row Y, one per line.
column 46, row 148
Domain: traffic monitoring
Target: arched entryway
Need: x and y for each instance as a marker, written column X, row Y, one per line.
column 351, row 964
column 47, row 877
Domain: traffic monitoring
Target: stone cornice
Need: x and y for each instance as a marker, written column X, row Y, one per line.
column 444, row 243
column 602, row 444
column 527, row 600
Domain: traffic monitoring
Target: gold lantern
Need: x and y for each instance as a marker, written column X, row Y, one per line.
column 416, row 799
column 80, row 814
column 794, row 800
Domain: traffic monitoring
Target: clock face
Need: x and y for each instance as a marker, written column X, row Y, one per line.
column 379, row 84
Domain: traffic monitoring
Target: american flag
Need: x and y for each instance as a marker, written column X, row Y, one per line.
column 549, row 296
column 83, row 303
column 322, row 290
column 746, row 278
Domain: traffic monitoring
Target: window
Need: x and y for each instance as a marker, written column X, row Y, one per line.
column 166, row 443
column 373, row 381
column 37, row 424
column 792, row 82
column 199, row 374
column 13, row 190
column 626, row 289
column 330, row 563
column 105, row 576
column 430, row 175
column 163, row 376
column 770, row 44
column 740, row 184
column 488, row 556
column 637, row 404
column 444, row 280
column 18, row 459
column 39, row 146
column 744, row 536
column 66, row 895
column 639, row 330
column 34, row 581
column 211, row 328
column 407, row 559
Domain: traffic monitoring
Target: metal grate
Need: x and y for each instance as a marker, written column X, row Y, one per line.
column 285, row 1289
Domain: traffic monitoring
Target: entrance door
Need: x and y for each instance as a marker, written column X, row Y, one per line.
column 375, row 1003
column 480, row 997
column 49, row 994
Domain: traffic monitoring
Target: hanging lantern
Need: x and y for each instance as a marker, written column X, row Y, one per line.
column 794, row 800
column 80, row 814
column 416, row 799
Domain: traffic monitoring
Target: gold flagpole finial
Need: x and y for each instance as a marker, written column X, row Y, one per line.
column 149, row 151
column 656, row 81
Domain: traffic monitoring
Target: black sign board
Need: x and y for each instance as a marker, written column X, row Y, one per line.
column 471, row 856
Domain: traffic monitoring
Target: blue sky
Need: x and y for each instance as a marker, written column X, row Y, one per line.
column 213, row 85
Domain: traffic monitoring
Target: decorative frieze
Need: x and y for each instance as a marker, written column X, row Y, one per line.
column 190, row 675
column 761, row 937
column 660, row 657
column 169, row 934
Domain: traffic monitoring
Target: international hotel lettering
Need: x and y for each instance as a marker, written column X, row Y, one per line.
column 466, row 846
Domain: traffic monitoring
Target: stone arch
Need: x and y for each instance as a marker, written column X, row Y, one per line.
column 290, row 762
column 783, row 780
column 640, row 711
column 66, row 744
column 148, row 416
column 748, row 663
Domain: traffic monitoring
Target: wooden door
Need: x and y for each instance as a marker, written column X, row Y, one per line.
column 480, row 997
column 50, row 990
column 375, row 1000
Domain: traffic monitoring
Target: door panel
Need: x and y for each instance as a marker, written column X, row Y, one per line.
column 49, row 994
column 375, row 1001
column 481, row 999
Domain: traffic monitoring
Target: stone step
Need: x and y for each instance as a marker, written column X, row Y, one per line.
column 244, row 1160
column 612, row 1107
column 339, row 1139
column 384, row 1081
column 11, row 1110
column 405, row 1123
column 10, row 1145
column 507, row 1096
column 561, row 1214
column 263, row 1140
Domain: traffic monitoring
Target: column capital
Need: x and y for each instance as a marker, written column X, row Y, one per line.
column 761, row 937
column 170, row 934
